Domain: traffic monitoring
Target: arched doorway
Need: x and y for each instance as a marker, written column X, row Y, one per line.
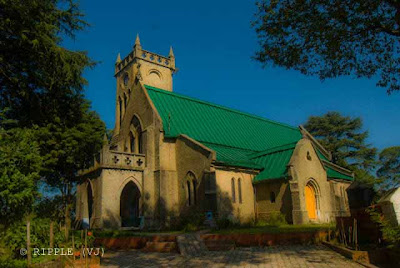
column 129, row 205
column 311, row 201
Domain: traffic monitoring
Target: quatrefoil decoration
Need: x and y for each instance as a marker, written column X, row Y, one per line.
column 139, row 162
column 128, row 160
column 115, row 159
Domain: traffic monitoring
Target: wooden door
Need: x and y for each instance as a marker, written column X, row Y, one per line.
column 311, row 202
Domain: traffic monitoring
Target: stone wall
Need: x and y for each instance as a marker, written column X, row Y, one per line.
column 305, row 167
column 227, row 207
column 267, row 204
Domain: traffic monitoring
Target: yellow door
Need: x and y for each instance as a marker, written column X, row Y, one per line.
column 311, row 203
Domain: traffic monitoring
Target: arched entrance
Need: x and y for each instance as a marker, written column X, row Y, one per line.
column 311, row 200
column 129, row 205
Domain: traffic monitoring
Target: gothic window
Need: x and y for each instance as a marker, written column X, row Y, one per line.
column 233, row 190
column 240, row 190
column 120, row 110
column 125, row 101
column 126, row 79
column 191, row 188
column 189, row 201
column 132, row 142
column 194, row 192
column 137, row 134
column 272, row 197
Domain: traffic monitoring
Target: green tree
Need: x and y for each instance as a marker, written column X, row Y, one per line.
column 344, row 138
column 20, row 163
column 41, row 86
column 389, row 170
column 66, row 149
column 39, row 79
column 332, row 38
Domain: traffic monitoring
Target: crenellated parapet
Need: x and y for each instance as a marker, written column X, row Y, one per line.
column 151, row 57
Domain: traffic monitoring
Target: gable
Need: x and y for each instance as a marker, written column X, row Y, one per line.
column 210, row 123
column 239, row 139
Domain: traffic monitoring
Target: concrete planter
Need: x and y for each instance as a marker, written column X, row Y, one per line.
column 136, row 242
column 251, row 240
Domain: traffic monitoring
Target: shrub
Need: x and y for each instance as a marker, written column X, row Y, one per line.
column 390, row 233
column 12, row 263
column 15, row 236
column 227, row 222
column 275, row 218
column 190, row 220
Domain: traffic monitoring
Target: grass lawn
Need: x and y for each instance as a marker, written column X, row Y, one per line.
column 275, row 229
column 127, row 233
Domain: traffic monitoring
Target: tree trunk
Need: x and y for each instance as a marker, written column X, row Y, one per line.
column 51, row 234
column 28, row 241
column 67, row 211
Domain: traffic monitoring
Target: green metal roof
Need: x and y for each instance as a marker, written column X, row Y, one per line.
column 331, row 173
column 231, row 156
column 239, row 139
column 275, row 162
column 207, row 122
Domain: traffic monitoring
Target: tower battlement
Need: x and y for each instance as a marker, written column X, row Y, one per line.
column 168, row 62
column 149, row 67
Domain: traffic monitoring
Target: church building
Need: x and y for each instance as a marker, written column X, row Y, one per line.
column 170, row 154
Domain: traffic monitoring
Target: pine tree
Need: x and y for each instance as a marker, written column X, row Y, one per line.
column 344, row 138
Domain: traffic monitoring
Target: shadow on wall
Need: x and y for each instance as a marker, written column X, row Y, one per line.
column 287, row 206
column 112, row 221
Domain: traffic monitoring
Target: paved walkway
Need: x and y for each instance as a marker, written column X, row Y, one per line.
column 281, row 256
column 191, row 245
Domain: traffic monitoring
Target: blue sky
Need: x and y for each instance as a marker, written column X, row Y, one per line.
column 213, row 43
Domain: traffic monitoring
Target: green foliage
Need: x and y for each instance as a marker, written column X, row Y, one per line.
column 332, row 38
column 225, row 222
column 344, row 138
column 190, row 220
column 50, row 208
column 69, row 148
column 20, row 164
column 42, row 88
column 12, row 263
column 79, row 239
column 40, row 80
column 275, row 218
column 15, row 236
column 389, row 171
column 390, row 233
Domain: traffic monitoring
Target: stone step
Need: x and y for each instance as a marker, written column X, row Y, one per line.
column 191, row 245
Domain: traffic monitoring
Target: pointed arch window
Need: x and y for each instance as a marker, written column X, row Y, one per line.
column 240, row 190
column 131, row 142
column 189, row 194
column 194, row 192
column 136, row 136
column 233, row 190
column 120, row 110
column 191, row 189
column 125, row 102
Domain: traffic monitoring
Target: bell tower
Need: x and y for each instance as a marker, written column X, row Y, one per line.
column 141, row 65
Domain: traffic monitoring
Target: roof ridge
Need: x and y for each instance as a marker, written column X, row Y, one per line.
column 229, row 146
column 275, row 149
column 179, row 95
